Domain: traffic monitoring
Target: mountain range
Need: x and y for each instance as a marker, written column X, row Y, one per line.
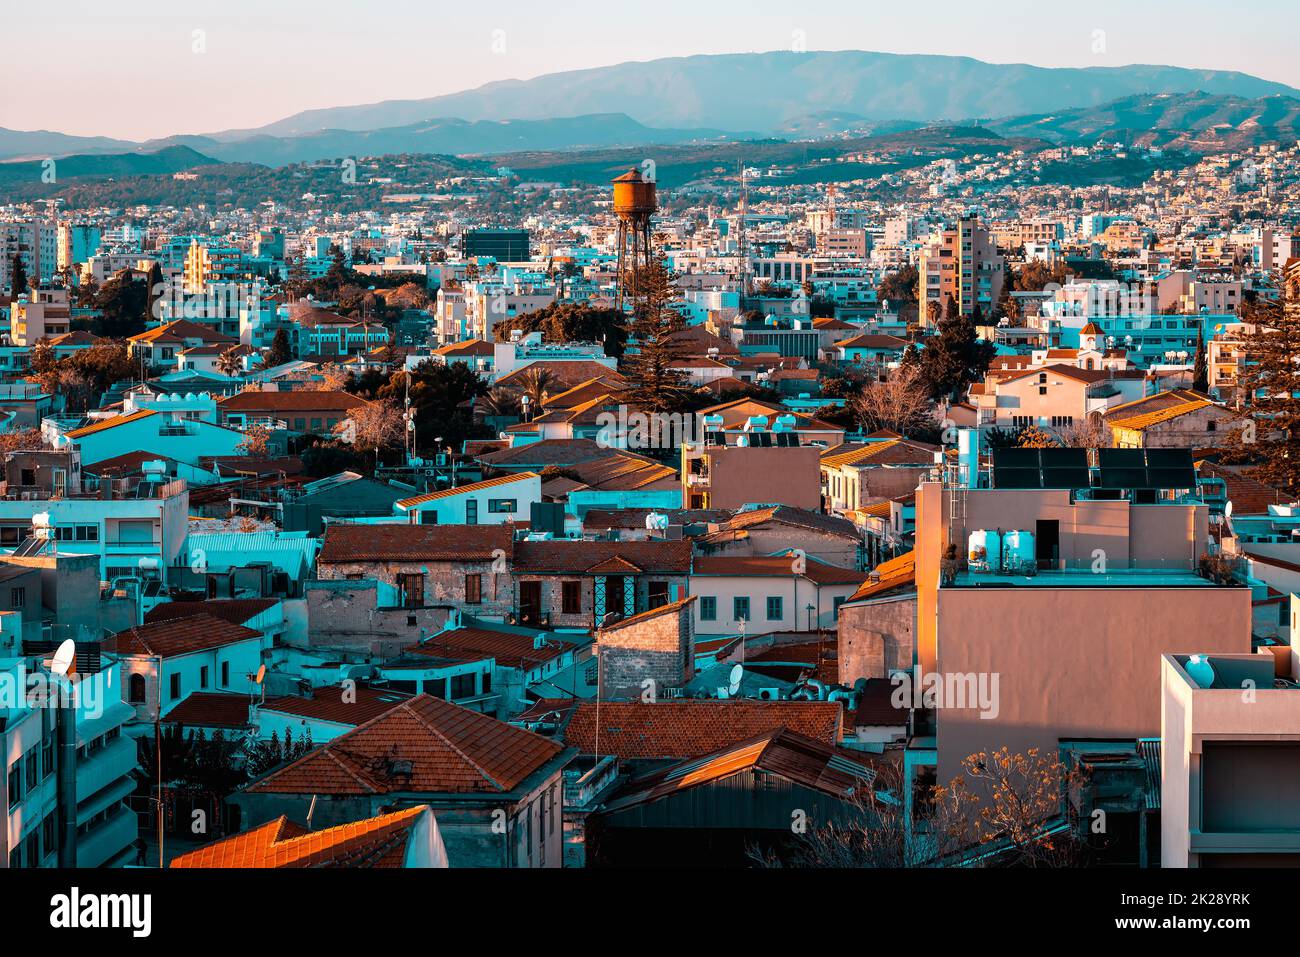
column 720, row 98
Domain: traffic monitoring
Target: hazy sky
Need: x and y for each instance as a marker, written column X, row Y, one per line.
column 129, row 68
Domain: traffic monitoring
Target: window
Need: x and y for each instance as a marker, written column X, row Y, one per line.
column 462, row 686
column 487, row 682
column 48, row 831
column 708, row 608
column 175, row 689
column 137, row 689
column 503, row 505
column 571, row 598
column 203, row 677
column 47, row 757
column 836, row 610
column 428, row 517
column 471, row 511
column 656, row 594
column 412, row 586
column 774, row 608
column 740, row 608
column 225, row 674
column 15, row 783
column 436, row 687
column 17, row 597
column 473, row 589
column 34, row 849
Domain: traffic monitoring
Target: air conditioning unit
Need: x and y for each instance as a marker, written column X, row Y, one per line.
column 769, row 694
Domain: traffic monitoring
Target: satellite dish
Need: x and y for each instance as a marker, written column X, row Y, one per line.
column 737, row 673
column 261, row 675
column 65, row 659
column 1227, row 510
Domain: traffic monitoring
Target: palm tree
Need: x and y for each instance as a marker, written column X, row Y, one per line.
column 500, row 402
column 229, row 364
column 536, row 384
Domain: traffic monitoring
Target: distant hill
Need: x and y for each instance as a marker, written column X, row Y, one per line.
column 172, row 159
column 1197, row 121
column 765, row 91
column 446, row 136
column 39, row 144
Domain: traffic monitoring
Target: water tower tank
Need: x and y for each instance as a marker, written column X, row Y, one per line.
column 984, row 549
column 634, row 195
column 1018, row 548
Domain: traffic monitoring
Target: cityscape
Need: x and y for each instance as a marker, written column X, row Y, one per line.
column 563, row 456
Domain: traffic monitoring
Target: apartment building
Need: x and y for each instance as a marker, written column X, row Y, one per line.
column 1048, row 587
column 961, row 263
column 36, row 243
column 1230, row 757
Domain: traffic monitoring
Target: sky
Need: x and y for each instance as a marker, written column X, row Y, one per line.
column 136, row 69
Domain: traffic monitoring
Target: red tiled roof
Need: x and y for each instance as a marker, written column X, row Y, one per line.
column 375, row 842
column 210, row 709
column 776, row 566
column 422, row 746
column 235, row 610
column 400, row 542
column 578, row 557
column 510, row 649
column 180, row 636
column 302, row 400
column 692, row 727
column 354, row 705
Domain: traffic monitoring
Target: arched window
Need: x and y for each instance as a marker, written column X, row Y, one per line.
column 136, row 689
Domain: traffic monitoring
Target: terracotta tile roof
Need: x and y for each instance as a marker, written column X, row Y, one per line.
column 180, row 636
column 693, row 727
column 579, row 557
column 125, row 464
column 235, row 610
column 1248, row 496
column 892, row 452
column 463, row 489
column 785, row 753
column 873, row 341
column 470, row 347
column 353, row 705
column 301, row 400
column 375, row 842
column 402, row 542
column 105, row 424
column 584, row 392
column 894, row 574
column 1158, row 416
column 422, row 746
column 775, row 566
column 738, row 411
column 181, row 330
column 210, row 709
column 510, row 649
column 671, row 608
column 876, row 706
column 564, row 374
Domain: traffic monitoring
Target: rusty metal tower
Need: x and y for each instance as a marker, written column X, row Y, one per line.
column 634, row 204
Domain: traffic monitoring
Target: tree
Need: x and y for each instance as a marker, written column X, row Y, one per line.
column 1201, row 367
column 376, row 426
column 18, row 277
column 229, row 363
column 1269, row 386
column 1000, row 810
column 954, row 357
column 333, row 378
column 256, row 442
column 569, row 322
column 123, row 302
column 899, row 286
column 535, row 385
column 279, row 353
column 442, row 398
column 899, row 403
column 656, row 386
column 156, row 287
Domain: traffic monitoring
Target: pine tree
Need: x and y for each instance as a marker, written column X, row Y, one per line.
column 1201, row 368
column 18, row 278
column 279, row 352
column 1269, row 382
column 656, row 386
column 954, row 357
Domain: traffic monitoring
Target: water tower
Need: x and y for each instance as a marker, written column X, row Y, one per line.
column 634, row 204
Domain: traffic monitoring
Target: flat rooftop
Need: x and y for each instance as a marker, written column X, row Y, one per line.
column 1086, row 578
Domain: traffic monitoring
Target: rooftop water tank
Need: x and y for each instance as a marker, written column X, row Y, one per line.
column 1201, row 671
column 984, row 549
column 1017, row 549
